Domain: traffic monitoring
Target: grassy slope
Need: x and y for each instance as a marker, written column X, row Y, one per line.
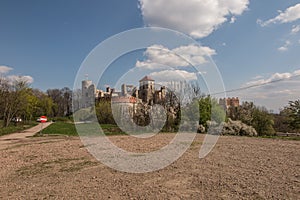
column 64, row 128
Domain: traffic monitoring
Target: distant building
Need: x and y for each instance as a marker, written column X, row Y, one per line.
column 129, row 94
column 147, row 92
column 227, row 103
column 88, row 95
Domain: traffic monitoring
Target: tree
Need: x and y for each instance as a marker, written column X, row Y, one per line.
column 263, row 122
column 13, row 99
column 294, row 114
column 104, row 112
column 245, row 112
column 210, row 110
column 204, row 110
column 257, row 117
column 62, row 101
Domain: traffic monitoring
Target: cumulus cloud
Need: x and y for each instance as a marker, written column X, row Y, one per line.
column 5, row 69
column 160, row 57
column 295, row 29
column 291, row 14
column 173, row 75
column 13, row 78
column 195, row 18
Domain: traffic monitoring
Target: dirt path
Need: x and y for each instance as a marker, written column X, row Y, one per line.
column 10, row 139
column 238, row 168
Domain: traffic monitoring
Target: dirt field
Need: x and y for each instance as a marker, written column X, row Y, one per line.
column 237, row 168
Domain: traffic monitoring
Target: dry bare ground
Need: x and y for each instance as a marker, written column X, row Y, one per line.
column 237, row 168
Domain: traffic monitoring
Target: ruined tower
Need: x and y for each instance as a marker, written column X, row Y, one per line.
column 88, row 94
column 146, row 90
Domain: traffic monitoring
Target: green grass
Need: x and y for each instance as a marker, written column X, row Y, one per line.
column 15, row 128
column 63, row 128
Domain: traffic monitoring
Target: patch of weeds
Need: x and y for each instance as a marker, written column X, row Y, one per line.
column 137, row 155
column 196, row 143
column 42, row 167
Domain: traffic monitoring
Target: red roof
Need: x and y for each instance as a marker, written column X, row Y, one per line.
column 146, row 78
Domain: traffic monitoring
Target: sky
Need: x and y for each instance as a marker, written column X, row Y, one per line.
column 251, row 42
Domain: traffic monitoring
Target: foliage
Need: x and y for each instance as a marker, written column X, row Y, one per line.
column 13, row 97
column 282, row 122
column 263, row 122
column 294, row 114
column 255, row 116
column 218, row 114
column 204, row 110
column 17, row 99
column 104, row 112
column 210, row 110
column 62, row 99
column 288, row 120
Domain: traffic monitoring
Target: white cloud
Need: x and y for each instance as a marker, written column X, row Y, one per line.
column 232, row 20
column 160, row 57
column 274, row 77
column 289, row 15
column 295, row 29
column 5, row 69
column 173, row 75
column 285, row 46
column 27, row 79
column 257, row 77
column 273, row 92
column 193, row 17
column 13, row 78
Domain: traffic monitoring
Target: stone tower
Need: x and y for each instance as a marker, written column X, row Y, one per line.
column 146, row 90
column 88, row 94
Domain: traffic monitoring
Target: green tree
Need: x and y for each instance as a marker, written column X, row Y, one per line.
column 294, row 114
column 258, row 118
column 218, row 114
column 204, row 110
column 210, row 110
column 263, row 122
column 13, row 99
column 104, row 112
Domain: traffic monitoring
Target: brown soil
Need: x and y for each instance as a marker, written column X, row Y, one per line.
column 237, row 168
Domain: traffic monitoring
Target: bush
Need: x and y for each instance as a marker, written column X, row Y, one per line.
column 238, row 128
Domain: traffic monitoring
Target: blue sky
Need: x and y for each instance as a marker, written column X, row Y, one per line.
column 250, row 41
